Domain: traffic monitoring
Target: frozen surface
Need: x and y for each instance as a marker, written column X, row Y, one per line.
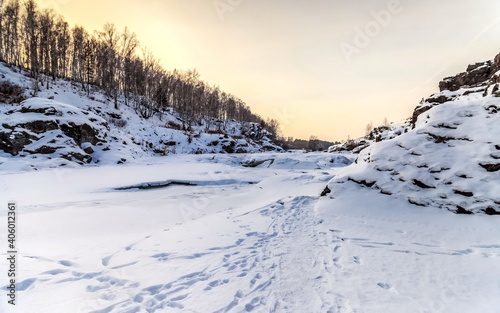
column 240, row 233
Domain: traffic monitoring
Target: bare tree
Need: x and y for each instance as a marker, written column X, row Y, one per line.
column 61, row 46
column 10, row 32
column 46, row 38
column 2, row 57
column 128, row 46
column 80, row 37
column 31, row 33
column 108, row 61
column 369, row 128
column 88, row 63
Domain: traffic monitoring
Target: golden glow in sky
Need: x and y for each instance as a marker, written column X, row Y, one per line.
column 325, row 67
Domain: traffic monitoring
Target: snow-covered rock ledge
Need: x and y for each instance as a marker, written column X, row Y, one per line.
column 52, row 130
column 449, row 160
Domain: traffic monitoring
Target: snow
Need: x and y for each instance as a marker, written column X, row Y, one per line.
column 240, row 239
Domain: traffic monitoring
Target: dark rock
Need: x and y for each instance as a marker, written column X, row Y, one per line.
column 415, row 202
column 326, row 191
column 444, row 125
column 468, row 92
column 89, row 150
column 496, row 63
column 422, row 185
column 445, row 139
column 365, row 183
column 385, row 192
column 461, row 210
column 418, row 111
column 114, row 115
column 492, row 109
column 78, row 157
column 14, row 142
column 80, row 133
column 45, row 150
column 255, row 163
column 39, row 127
column 440, row 99
column 229, row 148
column 491, row 211
column 491, row 167
column 463, row 193
column 475, row 74
column 495, row 155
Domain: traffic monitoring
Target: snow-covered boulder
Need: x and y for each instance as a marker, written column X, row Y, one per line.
column 51, row 129
column 377, row 134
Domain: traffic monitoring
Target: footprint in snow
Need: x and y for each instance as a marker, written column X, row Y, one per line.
column 384, row 286
column 105, row 261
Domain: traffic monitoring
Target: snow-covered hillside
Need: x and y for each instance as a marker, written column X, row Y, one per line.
column 449, row 160
column 46, row 131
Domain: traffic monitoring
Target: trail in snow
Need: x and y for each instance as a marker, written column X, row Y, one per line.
column 282, row 269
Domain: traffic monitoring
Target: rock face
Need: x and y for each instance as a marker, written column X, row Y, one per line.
column 47, row 127
column 450, row 159
column 475, row 75
column 482, row 77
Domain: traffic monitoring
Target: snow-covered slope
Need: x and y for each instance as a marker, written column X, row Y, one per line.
column 380, row 133
column 449, row 160
column 37, row 132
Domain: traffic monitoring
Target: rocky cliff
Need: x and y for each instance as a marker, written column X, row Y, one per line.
column 450, row 156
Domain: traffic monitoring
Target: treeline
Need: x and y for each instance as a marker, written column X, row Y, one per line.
column 42, row 42
column 313, row 144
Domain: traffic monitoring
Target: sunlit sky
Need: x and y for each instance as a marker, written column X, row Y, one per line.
column 308, row 64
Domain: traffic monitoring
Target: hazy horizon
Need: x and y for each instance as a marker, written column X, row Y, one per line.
column 326, row 68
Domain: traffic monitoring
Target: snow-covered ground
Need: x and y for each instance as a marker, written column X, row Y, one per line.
column 239, row 233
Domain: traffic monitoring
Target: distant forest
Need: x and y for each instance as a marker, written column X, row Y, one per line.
column 42, row 42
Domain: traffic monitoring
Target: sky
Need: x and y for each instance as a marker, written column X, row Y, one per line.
column 321, row 67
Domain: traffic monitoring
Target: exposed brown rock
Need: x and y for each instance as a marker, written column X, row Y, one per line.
column 491, row 167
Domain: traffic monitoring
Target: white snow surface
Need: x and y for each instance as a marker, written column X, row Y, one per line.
column 239, row 239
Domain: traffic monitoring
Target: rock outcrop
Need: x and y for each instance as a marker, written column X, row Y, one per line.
column 53, row 129
column 475, row 76
column 450, row 156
